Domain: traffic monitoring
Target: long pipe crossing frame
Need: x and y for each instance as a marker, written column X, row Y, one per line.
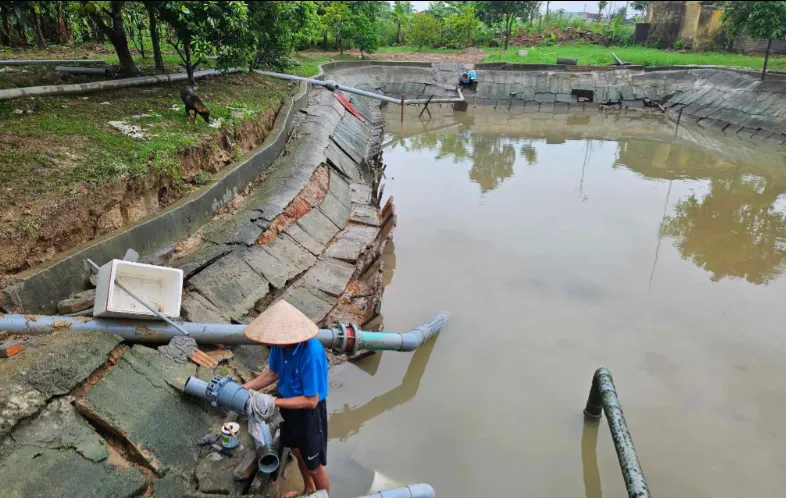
column 344, row 338
column 603, row 398
column 333, row 86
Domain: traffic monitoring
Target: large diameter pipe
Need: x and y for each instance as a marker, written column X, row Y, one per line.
column 96, row 71
column 342, row 338
column 421, row 490
column 603, row 398
column 97, row 86
column 224, row 392
column 267, row 456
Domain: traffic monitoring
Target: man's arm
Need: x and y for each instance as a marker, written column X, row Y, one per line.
column 298, row 402
column 262, row 381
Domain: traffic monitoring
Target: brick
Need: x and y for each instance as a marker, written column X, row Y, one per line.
column 78, row 302
column 10, row 348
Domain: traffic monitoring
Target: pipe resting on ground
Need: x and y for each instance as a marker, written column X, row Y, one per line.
column 343, row 338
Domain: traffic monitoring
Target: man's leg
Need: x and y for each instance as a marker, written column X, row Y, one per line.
column 308, row 481
column 320, row 478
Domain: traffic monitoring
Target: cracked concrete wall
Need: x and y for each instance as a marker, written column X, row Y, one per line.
column 716, row 97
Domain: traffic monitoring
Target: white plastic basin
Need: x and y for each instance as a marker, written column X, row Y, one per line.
column 158, row 286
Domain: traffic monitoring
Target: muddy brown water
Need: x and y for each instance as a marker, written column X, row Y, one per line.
column 562, row 243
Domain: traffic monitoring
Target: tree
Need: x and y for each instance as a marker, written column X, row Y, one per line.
column 463, row 26
column 5, row 27
column 110, row 23
column 759, row 20
column 152, row 18
column 364, row 34
column 507, row 12
column 35, row 9
column 601, row 6
column 402, row 11
column 424, row 30
column 275, row 27
column 639, row 6
column 199, row 29
column 338, row 18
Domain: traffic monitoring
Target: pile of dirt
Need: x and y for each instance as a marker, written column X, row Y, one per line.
column 567, row 35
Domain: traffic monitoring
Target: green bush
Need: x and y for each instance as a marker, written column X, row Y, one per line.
column 679, row 44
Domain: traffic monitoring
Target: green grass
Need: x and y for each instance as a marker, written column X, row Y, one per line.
column 309, row 63
column 65, row 144
column 596, row 55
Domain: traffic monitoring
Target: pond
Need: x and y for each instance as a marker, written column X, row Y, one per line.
column 560, row 244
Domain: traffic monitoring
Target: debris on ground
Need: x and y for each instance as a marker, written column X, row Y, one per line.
column 179, row 348
column 201, row 358
column 10, row 348
column 78, row 302
column 129, row 130
column 208, row 440
column 215, row 123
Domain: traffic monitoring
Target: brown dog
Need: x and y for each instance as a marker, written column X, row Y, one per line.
column 194, row 105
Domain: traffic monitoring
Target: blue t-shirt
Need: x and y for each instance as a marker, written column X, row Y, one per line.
column 302, row 369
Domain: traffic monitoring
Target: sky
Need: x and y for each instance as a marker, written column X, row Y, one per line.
column 568, row 6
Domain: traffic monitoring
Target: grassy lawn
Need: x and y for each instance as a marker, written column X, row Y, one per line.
column 596, row 55
column 60, row 145
column 309, row 62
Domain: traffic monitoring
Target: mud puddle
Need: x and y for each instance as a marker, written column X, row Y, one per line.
column 562, row 243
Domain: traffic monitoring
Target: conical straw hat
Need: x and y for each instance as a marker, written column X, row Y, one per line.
column 281, row 324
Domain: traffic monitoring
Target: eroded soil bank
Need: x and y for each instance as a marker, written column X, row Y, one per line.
column 68, row 176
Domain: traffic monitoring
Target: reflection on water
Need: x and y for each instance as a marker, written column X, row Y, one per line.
column 561, row 244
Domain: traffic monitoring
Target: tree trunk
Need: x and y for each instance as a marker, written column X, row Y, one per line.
column 340, row 41
column 39, row 35
column 766, row 58
column 5, row 29
column 508, row 29
column 189, row 66
column 117, row 35
column 98, row 33
column 398, row 32
column 61, row 30
column 325, row 40
column 154, row 38
column 141, row 39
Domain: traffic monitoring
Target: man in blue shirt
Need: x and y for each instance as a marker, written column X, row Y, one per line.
column 299, row 363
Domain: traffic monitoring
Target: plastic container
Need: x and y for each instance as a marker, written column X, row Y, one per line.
column 230, row 435
column 158, row 286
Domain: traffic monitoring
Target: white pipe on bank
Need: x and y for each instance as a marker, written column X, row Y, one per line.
column 35, row 62
column 96, row 86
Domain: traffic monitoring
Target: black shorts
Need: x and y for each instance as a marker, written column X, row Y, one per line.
column 306, row 431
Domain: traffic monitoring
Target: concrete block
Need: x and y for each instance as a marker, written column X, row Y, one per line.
column 312, row 302
column 304, row 239
column 318, row 226
column 351, row 242
column 560, row 107
column 746, row 132
column 532, row 106
column 336, row 211
column 79, row 302
column 275, row 271
column 632, row 104
column 231, row 285
column 523, row 53
column 761, row 135
column 340, row 189
column 732, row 129
column 329, row 275
column 285, row 248
column 545, row 97
column 198, row 309
column 565, row 97
column 546, row 107
column 361, row 194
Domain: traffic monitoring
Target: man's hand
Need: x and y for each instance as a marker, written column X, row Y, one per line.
column 265, row 379
column 298, row 402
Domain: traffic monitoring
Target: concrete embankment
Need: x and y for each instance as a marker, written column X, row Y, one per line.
column 112, row 416
column 720, row 98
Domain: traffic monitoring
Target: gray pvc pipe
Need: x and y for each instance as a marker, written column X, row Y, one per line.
column 35, row 62
column 96, row 86
column 139, row 331
column 333, row 86
column 267, row 457
column 421, row 490
column 196, row 387
column 81, row 70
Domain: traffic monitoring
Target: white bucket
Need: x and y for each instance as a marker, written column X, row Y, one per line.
column 230, row 433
